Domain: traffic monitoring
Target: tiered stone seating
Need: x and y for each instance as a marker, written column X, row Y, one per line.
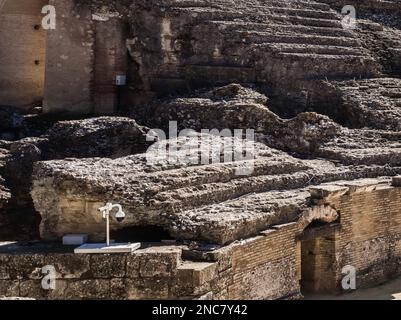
column 201, row 202
column 380, row 6
column 374, row 103
column 264, row 41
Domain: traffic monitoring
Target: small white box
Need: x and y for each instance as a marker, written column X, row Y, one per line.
column 121, row 80
column 75, row 239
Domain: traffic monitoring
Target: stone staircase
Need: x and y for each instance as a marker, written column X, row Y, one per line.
column 374, row 103
column 379, row 6
column 211, row 202
column 264, row 41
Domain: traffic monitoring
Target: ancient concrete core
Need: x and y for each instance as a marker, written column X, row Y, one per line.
column 255, row 146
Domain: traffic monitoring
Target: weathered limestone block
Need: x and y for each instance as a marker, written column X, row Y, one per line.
column 88, row 289
column 157, row 262
column 111, row 137
column 142, row 289
column 97, row 137
column 157, row 191
column 235, row 107
column 108, row 266
column 18, row 167
column 322, row 213
column 327, row 191
column 239, row 218
column 229, row 107
column 194, row 278
column 69, row 265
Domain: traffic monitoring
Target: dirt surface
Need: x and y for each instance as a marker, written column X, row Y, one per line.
column 387, row 291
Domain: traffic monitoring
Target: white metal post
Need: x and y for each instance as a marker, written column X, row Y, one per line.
column 108, row 229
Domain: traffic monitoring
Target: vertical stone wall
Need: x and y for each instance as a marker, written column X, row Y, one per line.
column 70, row 60
column 110, row 61
column 84, row 55
column 22, row 52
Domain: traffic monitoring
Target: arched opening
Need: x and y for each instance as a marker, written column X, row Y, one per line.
column 22, row 53
column 317, row 251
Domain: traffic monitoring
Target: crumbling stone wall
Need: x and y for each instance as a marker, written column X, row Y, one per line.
column 370, row 227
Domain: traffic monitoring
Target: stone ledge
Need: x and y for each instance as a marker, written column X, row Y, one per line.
column 340, row 188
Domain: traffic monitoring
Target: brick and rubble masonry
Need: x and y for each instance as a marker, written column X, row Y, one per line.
column 369, row 234
column 361, row 222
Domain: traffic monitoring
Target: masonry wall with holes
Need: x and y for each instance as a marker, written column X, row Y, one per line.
column 22, row 52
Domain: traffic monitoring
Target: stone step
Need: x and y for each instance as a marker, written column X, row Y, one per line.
column 198, row 14
column 295, row 4
column 306, row 13
column 220, row 73
column 321, row 57
column 189, row 3
column 265, row 37
column 204, row 14
column 272, row 27
column 311, row 66
column 374, row 103
column 231, row 57
column 314, row 49
column 312, row 5
column 304, row 20
column 377, row 5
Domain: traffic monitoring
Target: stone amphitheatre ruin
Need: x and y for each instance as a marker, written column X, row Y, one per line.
column 322, row 96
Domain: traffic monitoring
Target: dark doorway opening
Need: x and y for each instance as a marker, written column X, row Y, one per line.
column 318, row 260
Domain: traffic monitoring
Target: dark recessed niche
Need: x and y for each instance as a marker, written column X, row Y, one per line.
column 37, row 62
column 36, row 27
column 141, row 233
